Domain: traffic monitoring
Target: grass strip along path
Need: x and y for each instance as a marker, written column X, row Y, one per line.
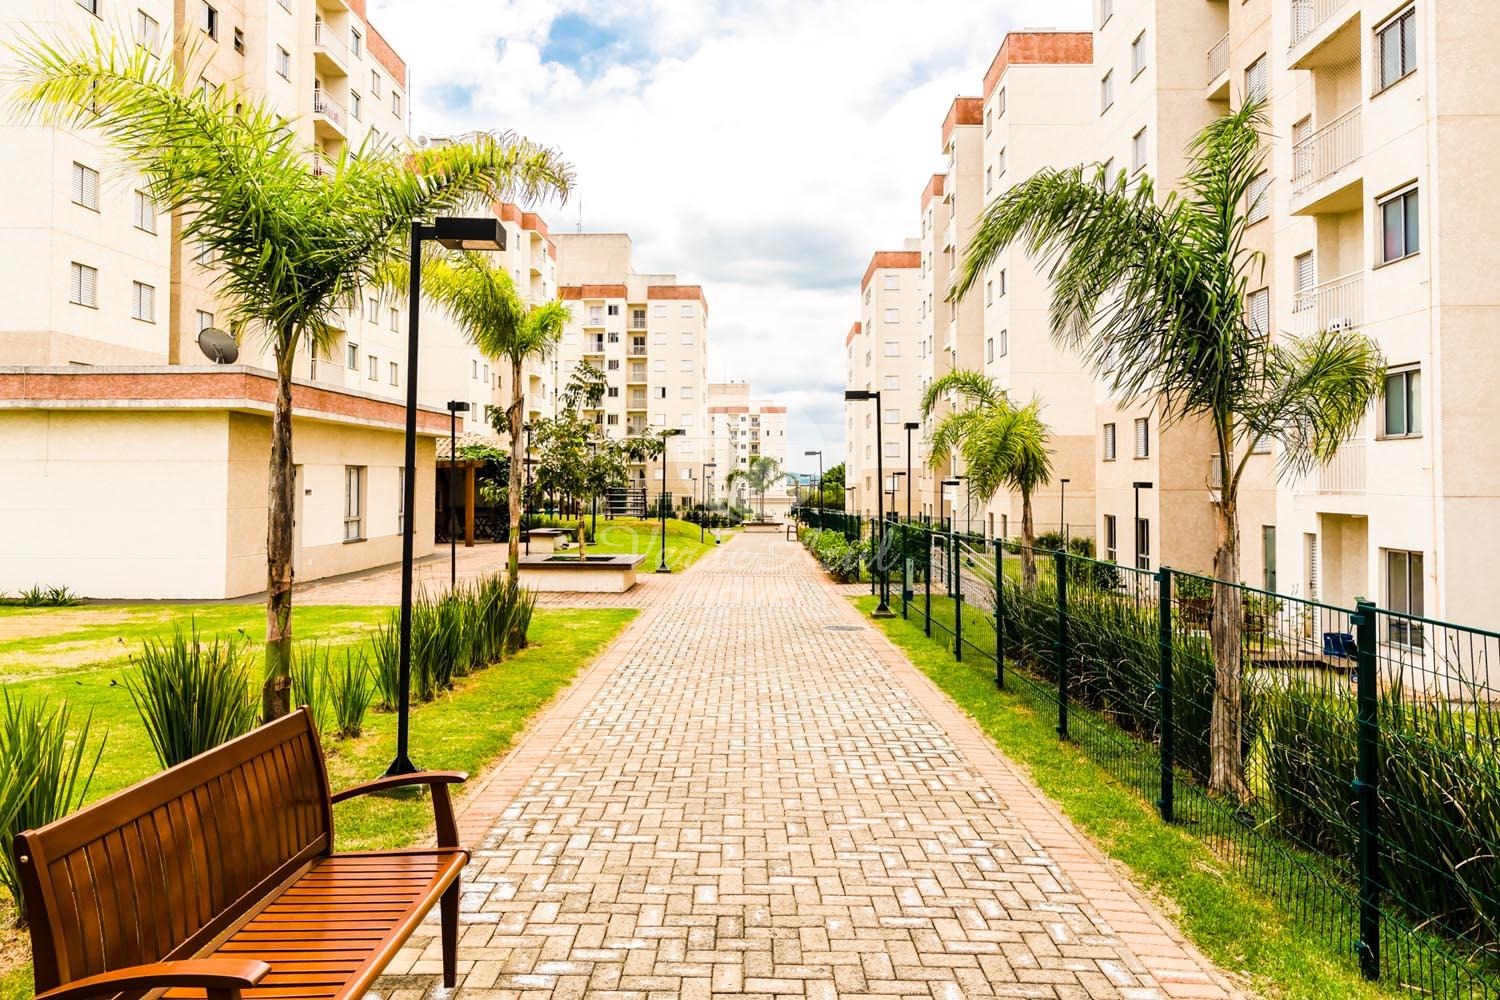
column 81, row 653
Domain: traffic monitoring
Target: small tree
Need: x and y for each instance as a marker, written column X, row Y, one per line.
column 1151, row 293
column 760, row 474
column 1003, row 447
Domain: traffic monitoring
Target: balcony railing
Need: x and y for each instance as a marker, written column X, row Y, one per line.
column 328, row 40
column 1334, row 305
column 328, row 108
column 1346, row 473
column 1218, row 58
column 637, row 351
column 1326, row 151
column 1308, row 14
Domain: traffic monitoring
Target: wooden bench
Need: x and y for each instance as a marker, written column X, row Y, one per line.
column 217, row 879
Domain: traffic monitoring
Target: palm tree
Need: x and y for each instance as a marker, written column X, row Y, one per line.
column 1151, row 292
column 1003, row 446
column 482, row 299
column 760, row 474
column 290, row 247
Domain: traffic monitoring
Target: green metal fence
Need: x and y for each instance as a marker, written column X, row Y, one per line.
column 1369, row 739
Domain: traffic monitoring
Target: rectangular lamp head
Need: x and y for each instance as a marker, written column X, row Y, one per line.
column 468, row 233
column 458, row 406
column 1141, row 486
column 911, row 425
column 855, row 395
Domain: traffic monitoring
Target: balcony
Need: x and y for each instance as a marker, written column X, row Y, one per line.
column 1323, row 32
column 1322, row 180
column 636, row 351
column 329, row 117
column 329, row 50
column 1346, row 473
column 1218, row 69
column 593, row 345
column 1334, row 305
column 637, row 376
column 637, row 401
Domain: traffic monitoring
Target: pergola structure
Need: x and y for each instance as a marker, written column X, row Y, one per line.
column 446, row 473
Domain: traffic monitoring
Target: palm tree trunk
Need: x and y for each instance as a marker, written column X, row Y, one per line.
column 1028, row 556
column 517, row 459
column 1226, row 764
column 277, row 689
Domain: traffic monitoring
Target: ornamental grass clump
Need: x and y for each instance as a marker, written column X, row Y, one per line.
column 350, row 693
column 45, row 772
column 191, row 695
column 310, row 681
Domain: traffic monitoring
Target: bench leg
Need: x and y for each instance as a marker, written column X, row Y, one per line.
column 449, row 917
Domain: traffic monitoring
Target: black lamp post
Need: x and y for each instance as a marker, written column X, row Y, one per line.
column 883, row 609
column 526, row 500
column 895, row 484
column 819, row 453
column 703, row 512
column 1062, row 510
column 670, row 432
column 909, row 426
column 1137, row 487
column 455, row 234
column 593, row 492
column 455, row 407
column 943, row 496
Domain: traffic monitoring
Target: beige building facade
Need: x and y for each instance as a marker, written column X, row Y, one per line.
column 740, row 428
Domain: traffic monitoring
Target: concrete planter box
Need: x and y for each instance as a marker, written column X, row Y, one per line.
column 613, row 574
column 545, row 541
column 763, row 526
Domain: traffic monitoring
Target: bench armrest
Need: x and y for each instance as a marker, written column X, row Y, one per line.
column 221, row 977
column 442, row 802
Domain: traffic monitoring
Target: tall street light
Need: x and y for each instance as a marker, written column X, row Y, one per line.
column 1137, row 487
column 819, row 453
column 909, row 426
column 1062, row 510
column 667, row 434
column 526, row 500
column 703, row 512
column 454, row 234
column 883, row 609
column 455, row 407
column 943, row 496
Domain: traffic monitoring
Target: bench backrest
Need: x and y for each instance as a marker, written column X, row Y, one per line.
column 159, row 869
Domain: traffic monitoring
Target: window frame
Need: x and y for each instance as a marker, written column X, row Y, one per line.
column 1138, row 58
column 1411, row 393
column 1111, row 444
column 1399, row 630
column 77, row 271
column 82, row 176
column 140, row 292
column 355, row 477
column 1402, row 193
column 1141, row 442
column 1107, row 90
column 1394, row 21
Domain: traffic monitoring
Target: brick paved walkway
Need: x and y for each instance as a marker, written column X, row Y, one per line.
column 754, row 794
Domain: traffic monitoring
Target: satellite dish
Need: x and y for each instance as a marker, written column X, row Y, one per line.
column 218, row 346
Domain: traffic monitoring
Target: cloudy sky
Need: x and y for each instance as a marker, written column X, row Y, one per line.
column 763, row 148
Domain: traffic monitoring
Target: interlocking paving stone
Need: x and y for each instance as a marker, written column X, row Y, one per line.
column 736, row 801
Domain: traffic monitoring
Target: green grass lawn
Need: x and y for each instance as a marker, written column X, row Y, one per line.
column 1233, row 924
column 81, row 654
column 634, row 536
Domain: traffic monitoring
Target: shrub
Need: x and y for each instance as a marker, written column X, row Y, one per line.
column 192, row 696
column 385, row 662
column 310, row 681
column 470, row 628
column 350, row 693
column 38, row 596
column 842, row 559
column 45, row 772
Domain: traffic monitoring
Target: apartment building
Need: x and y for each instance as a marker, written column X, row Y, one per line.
column 648, row 334
column 1386, row 126
column 881, row 354
column 741, row 427
column 933, row 277
column 104, row 384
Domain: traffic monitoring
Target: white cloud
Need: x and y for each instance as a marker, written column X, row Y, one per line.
column 765, row 149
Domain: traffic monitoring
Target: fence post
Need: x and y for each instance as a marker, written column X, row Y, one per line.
column 873, row 554
column 1164, row 690
column 999, row 614
column 958, row 612
column 1366, row 787
column 1060, row 570
column 927, row 580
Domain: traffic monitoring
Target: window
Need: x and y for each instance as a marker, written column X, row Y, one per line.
column 1107, row 92
column 1304, row 277
column 989, row 292
column 893, row 414
column 1106, row 11
column 1258, row 311
column 1258, row 198
column 1111, row 539
column 83, row 289
column 1403, row 403
column 660, row 364
column 1142, row 437
column 147, row 30
column 660, row 312
column 1109, row 442
column 1004, row 342
column 613, row 337
column 205, row 320
column 1268, row 556
column 892, row 449
column 1001, row 278
column 396, row 103
column 1000, row 104
column 612, row 419
column 893, row 348
column 613, row 309
column 1256, row 86
column 1138, row 150
column 893, row 315
column 394, row 373
column 891, row 282
column 613, row 392
column 372, row 368
column 685, row 339
column 283, row 63
column 85, row 186
column 989, row 349
column 1142, row 544
column 1137, row 55
column 989, row 178
column 92, row 6
column 1000, row 163
column 395, row 318
column 686, row 365
column 372, row 309
column 1399, row 226
column 209, row 21
column 356, row 45
column 354, row 105
column 1403, row 594
column 661, row 392
column 1396, row 48
column 144, row 210
column 354, row 502
column 596, row 315
column 142, row 302
column 686, row 392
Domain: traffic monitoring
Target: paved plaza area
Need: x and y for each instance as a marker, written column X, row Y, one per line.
column 753, row 794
